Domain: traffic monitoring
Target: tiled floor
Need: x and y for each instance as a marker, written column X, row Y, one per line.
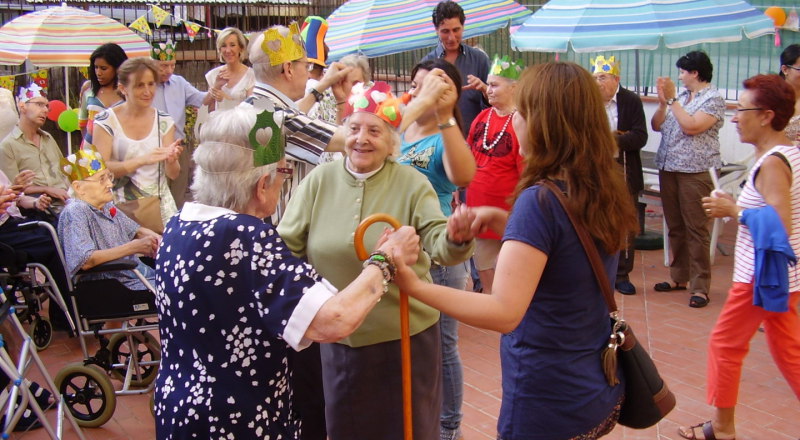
column 674, row 334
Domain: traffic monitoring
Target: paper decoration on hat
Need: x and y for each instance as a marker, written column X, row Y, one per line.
column 140, row 24
column 159, row 15
column 30, row 92
column 192, row 29
column 282, row 49
column 84, row 163
column 40, row 78
column 378, row 100
column 602, row 65
column 265, row 137
column 506, row 68
column 163, row 51
column 7, row 82
column 313, row 34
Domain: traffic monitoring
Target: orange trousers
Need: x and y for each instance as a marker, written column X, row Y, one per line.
column 730, row 342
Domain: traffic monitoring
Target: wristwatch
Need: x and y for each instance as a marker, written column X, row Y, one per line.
column 450, row 123
column 669, row 101
column 317, row 94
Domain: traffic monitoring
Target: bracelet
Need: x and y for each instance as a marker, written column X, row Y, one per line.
column 381, row 260
column 384, row 256
column 449, row 123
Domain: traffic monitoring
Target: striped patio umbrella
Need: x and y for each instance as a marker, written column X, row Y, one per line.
column 600, row 25
column 64, row 36
column 383, row 27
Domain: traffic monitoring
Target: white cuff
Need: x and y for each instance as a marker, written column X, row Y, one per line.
column 304, row 313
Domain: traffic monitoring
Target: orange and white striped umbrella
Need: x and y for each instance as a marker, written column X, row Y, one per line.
column 64, row 36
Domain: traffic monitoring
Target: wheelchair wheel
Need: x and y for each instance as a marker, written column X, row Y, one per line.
column 88, row 394
column 147, row 349
column 41, row 332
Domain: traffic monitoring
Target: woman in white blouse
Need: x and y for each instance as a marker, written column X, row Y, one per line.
column 232, row 82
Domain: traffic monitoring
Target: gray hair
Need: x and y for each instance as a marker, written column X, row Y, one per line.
column 264, row 71
column 358, row 62
column 227, row 32
column 225, row 176
column 394, row 136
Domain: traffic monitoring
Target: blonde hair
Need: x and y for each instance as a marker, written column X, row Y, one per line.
column 240, row 38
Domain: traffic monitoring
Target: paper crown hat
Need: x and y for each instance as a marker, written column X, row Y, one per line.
column 377, row 99
column 83, row 163
column 30, row 92
column 313, row 34
column 282, row 49
column 265, row 136
column 506, row 68
column 602, row 65
column 163, row 51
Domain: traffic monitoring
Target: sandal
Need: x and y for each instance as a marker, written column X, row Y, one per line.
column 698, row 300
column 667, row 287
column 707, row 429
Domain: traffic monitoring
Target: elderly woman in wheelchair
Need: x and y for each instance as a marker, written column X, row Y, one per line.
column 92, row 231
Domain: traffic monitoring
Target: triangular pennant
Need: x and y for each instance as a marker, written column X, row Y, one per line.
column 159, row 15
column 192, row 29
column 7, row 82
column 40, row 78
column 140, row 24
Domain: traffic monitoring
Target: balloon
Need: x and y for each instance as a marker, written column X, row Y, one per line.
column 56, row 108
column 778, row 15
column 68, row 121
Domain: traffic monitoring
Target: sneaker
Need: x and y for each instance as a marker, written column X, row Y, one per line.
column 450, row 434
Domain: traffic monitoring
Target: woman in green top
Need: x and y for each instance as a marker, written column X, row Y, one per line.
column 320, row 223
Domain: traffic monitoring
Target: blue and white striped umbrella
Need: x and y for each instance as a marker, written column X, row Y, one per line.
column 602, row 25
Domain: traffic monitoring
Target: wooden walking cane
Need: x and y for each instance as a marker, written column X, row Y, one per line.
column 405, row 334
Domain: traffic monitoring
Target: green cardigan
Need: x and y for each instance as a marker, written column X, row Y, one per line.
column 320, row 223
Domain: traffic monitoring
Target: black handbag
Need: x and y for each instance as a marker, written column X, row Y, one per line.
column 647, row 397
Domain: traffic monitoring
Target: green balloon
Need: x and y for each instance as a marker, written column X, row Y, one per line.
column 68, row 121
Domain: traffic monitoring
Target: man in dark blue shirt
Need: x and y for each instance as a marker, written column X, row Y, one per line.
column 473, row 64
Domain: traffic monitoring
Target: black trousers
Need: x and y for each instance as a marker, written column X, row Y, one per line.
column 38, row 244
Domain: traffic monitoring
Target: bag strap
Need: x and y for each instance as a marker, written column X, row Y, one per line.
column 158, row 132
column 588, row 246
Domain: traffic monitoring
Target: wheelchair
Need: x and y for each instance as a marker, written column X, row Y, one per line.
column 129, row 353
column 28, row 285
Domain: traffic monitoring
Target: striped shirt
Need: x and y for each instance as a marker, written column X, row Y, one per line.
column 744, row 259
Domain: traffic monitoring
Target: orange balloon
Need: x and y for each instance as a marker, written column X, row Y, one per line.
column 778, row 15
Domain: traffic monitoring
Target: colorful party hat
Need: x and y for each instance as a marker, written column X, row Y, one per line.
column 313, row 34
column 84, row 163
column 163, row 51
column 506, row 68
column 602, row 65
column 282, row 49
column 378, row 100
column 30, row 92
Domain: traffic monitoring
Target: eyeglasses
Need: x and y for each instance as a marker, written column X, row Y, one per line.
column 792, row 67
column 40, row 104
column 603, row 78
column 285, row 171
column 738, row 110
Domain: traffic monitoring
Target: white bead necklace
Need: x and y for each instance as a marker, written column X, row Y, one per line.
column 502, row 130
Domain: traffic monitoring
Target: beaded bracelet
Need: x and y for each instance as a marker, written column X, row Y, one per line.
column 380, row 255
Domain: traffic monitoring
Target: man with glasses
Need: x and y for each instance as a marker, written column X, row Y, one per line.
column 28, row 147
column 629, row 125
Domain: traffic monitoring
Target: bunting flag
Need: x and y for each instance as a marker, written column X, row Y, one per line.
column 192, row 29
column 140, row 24
column 84, row 71
column 7, row 82
column 159, row 15
column 40, row 78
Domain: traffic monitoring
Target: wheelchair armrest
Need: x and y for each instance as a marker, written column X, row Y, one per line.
column 111, row 266
column 27, row 226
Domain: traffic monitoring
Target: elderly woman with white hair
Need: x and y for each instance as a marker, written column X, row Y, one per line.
column 232, row 82
column 233, row 300
column 319, row 224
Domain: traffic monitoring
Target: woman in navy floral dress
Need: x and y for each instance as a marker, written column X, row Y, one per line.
column 233, row 300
